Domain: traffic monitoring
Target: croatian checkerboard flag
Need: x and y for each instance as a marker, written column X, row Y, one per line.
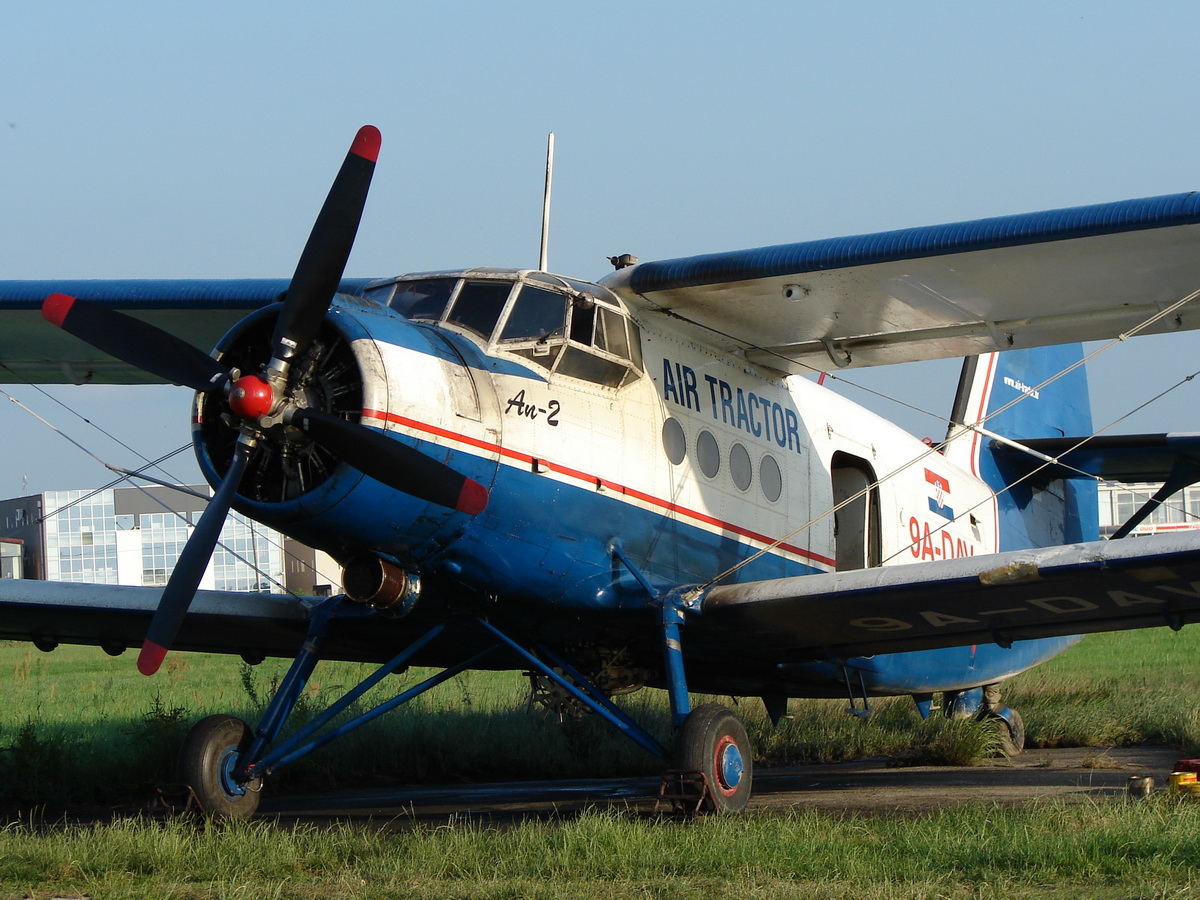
column 940, row 487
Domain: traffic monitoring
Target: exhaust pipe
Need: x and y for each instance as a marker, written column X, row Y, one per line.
column 379, row 584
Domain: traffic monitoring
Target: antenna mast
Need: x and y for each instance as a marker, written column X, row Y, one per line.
column 542, row 258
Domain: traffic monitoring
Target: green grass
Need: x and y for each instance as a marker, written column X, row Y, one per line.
column 1120, row 688
column 79, row 726
column 1147, row 849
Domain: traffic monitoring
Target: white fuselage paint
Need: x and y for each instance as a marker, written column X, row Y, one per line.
column 589, row 437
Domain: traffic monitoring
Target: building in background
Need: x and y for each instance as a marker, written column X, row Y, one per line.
column 1118, row 502
column 134, row 536
column 11, row 561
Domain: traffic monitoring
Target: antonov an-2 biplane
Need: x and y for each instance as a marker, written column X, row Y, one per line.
column 627, row 483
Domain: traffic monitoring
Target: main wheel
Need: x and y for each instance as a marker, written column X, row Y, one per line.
column 206, row 763
column 713, row 741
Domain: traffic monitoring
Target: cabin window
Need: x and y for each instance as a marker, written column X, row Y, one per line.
column 674, row 442
column 583, row 321
column 741, row 469
column 426, row 299
column 708, row 454
column 479, row 304
column 770, row 479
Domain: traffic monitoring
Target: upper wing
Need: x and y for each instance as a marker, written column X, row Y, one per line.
column 1086, row 273
column 199, row 311
column 1023, row 594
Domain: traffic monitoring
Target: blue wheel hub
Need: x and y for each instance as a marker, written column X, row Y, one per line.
column 226, row 768
column 730, row 765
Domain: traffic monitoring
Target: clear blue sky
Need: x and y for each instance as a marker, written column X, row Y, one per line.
column 198, row 140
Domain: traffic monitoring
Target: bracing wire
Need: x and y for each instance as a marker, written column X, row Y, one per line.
column 939, row 447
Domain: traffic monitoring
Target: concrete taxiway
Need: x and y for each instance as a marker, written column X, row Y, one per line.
column 868, row 786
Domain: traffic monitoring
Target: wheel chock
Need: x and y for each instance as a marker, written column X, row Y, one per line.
column 686, row 790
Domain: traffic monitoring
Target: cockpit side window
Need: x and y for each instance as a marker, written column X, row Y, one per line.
column 583, row 321
column 536, row 314
column 610, row 333
column 424, row 299
column 479, row 304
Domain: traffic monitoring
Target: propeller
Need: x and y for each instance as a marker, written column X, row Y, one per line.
column 254, row 399
column 136, row 342
column 395, row 464
column 185, row 577
column 323, row 259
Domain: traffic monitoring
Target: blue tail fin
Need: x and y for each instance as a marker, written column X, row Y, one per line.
column 1005, row 393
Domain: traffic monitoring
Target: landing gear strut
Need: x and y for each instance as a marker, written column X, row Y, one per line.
column 710, row 739
column 224, row 762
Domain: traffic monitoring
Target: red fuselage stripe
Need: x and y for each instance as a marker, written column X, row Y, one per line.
column 592, row 480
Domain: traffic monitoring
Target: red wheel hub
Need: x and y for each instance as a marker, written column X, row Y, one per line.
column 251, row 397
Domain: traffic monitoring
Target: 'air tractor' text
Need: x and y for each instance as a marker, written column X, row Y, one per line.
column 746, row 411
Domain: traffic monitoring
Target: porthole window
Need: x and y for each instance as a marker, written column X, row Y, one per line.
column 674, row 443
column 770, row 479
column 708, row 454
column 741, row 469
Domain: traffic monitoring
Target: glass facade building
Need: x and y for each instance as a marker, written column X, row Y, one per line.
column 11, row 558
column 1120, row 501
column 81, row 536
column 104, row 537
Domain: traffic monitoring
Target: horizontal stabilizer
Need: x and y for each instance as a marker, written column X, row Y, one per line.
column 1125, row 457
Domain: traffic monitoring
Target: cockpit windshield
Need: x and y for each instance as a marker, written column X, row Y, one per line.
column 536, row 313
column 568, row 327
column 425, row 299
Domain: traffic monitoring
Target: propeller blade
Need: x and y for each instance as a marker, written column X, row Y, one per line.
column 185, row 578
column 135, row 342
column 324, row 257
column 392, row 462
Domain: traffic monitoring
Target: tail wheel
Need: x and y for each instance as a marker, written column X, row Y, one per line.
column 207, row 762
column 714, row 742
column 1011, row 729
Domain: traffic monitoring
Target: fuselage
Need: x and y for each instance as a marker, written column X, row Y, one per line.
column 618, row 450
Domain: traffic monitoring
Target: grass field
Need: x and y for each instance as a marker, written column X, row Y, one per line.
column 1143, row 850
column 79, row 726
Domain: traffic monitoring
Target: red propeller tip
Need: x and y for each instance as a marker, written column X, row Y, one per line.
column 366, row 143
column 56, row 307
column 151, row 657
column 472, row 499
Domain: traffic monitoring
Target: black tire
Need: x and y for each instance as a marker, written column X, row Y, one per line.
column 713, row 741
column 206, row 765
column 1012, row 732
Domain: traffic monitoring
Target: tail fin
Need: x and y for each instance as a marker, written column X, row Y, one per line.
column 1005, row 393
